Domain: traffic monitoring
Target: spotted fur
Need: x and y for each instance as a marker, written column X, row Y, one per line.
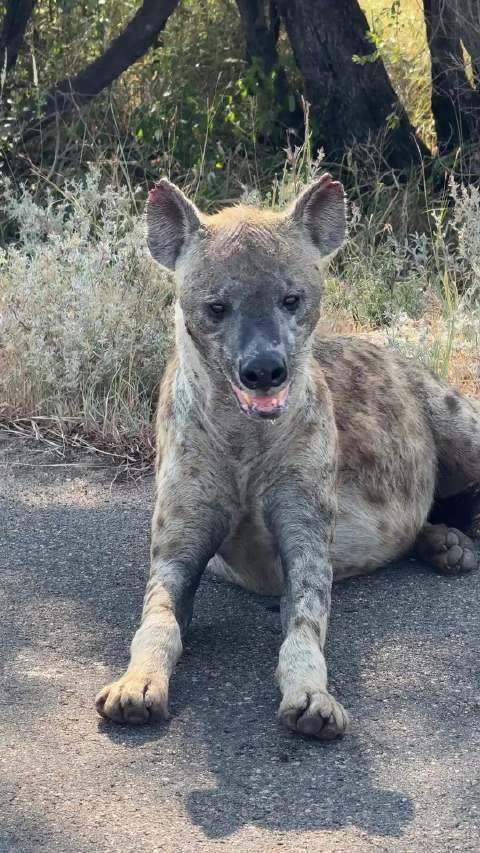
column 343, row 482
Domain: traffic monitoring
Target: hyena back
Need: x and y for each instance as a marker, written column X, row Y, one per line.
column 283, row 459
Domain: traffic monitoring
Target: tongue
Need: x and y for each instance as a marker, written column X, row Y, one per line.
column 265, row 404
column 262, row 404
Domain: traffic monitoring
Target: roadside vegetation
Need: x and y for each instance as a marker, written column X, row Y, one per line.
column 86, row 316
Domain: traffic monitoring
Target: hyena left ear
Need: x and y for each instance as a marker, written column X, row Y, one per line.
column 172, row 220
column 321, row 210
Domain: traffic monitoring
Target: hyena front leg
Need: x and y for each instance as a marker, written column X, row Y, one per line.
column 302, row 528
column 189, row 525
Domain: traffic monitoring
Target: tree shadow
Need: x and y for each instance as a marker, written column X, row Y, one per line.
column 82, row 574
column 225, row 701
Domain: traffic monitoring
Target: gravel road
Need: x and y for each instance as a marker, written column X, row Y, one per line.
column 222, row 775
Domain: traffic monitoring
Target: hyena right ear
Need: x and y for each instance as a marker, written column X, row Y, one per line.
column 320, row 209
column 172, row 220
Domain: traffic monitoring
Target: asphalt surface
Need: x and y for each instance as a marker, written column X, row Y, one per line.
column 403, row 654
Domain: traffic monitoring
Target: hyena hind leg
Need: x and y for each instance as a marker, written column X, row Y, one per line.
column 455, row 423
column 445, row 541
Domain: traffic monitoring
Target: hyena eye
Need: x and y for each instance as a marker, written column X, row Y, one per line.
column 292, row 302
column 216, row 309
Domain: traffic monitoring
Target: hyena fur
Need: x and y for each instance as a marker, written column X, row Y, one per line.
column 284, row 459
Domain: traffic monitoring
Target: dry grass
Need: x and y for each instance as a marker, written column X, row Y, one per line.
column 417, row 338
column 132, row 456
column 85, row 317
column 86, row 320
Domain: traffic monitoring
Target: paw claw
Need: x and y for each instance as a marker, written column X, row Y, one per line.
column 135, row 698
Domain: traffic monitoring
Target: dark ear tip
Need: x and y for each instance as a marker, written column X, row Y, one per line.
column 338, row 189
column 329, row 185
column 161, row 187
column 326, row 184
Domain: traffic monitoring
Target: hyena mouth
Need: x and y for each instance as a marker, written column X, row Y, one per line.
column 258, row 406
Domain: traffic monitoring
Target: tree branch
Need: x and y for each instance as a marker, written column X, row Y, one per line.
column 139, row 35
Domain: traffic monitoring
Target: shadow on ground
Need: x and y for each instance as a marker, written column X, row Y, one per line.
column 402, row 656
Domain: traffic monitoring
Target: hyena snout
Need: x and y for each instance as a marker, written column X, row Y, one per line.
column 263, row 371
column 263, row 377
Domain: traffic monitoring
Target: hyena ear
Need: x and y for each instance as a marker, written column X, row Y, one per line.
column 321, row 210
column 172, row 220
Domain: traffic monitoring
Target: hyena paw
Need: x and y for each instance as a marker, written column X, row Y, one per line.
column 448, row 550
column 315, row 713
column 136, row 698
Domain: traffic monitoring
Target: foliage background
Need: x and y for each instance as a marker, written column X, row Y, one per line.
column 85, row 317
column 186, row 108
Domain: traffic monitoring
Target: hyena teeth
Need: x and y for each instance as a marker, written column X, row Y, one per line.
column 258, row 404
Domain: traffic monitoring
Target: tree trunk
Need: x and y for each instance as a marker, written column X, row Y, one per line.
column 16, row 18
column 261, row 24
column 453, row 105
column 260, row 32
column 467, row 14
column 351, row 101
column 140, row 34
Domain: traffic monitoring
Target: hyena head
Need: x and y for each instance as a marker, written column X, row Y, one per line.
column 249, row 286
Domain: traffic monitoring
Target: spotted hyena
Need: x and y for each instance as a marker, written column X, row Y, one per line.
column 284, row 459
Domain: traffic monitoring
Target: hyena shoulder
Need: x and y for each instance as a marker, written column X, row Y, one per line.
column 386, row 445
column 371, row 382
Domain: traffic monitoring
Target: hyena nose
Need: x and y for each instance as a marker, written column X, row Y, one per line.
column 264, row 371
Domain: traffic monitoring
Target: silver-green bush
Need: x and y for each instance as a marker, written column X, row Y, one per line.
column 85, row 316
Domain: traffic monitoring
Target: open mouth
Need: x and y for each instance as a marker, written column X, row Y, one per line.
column 268, row 406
